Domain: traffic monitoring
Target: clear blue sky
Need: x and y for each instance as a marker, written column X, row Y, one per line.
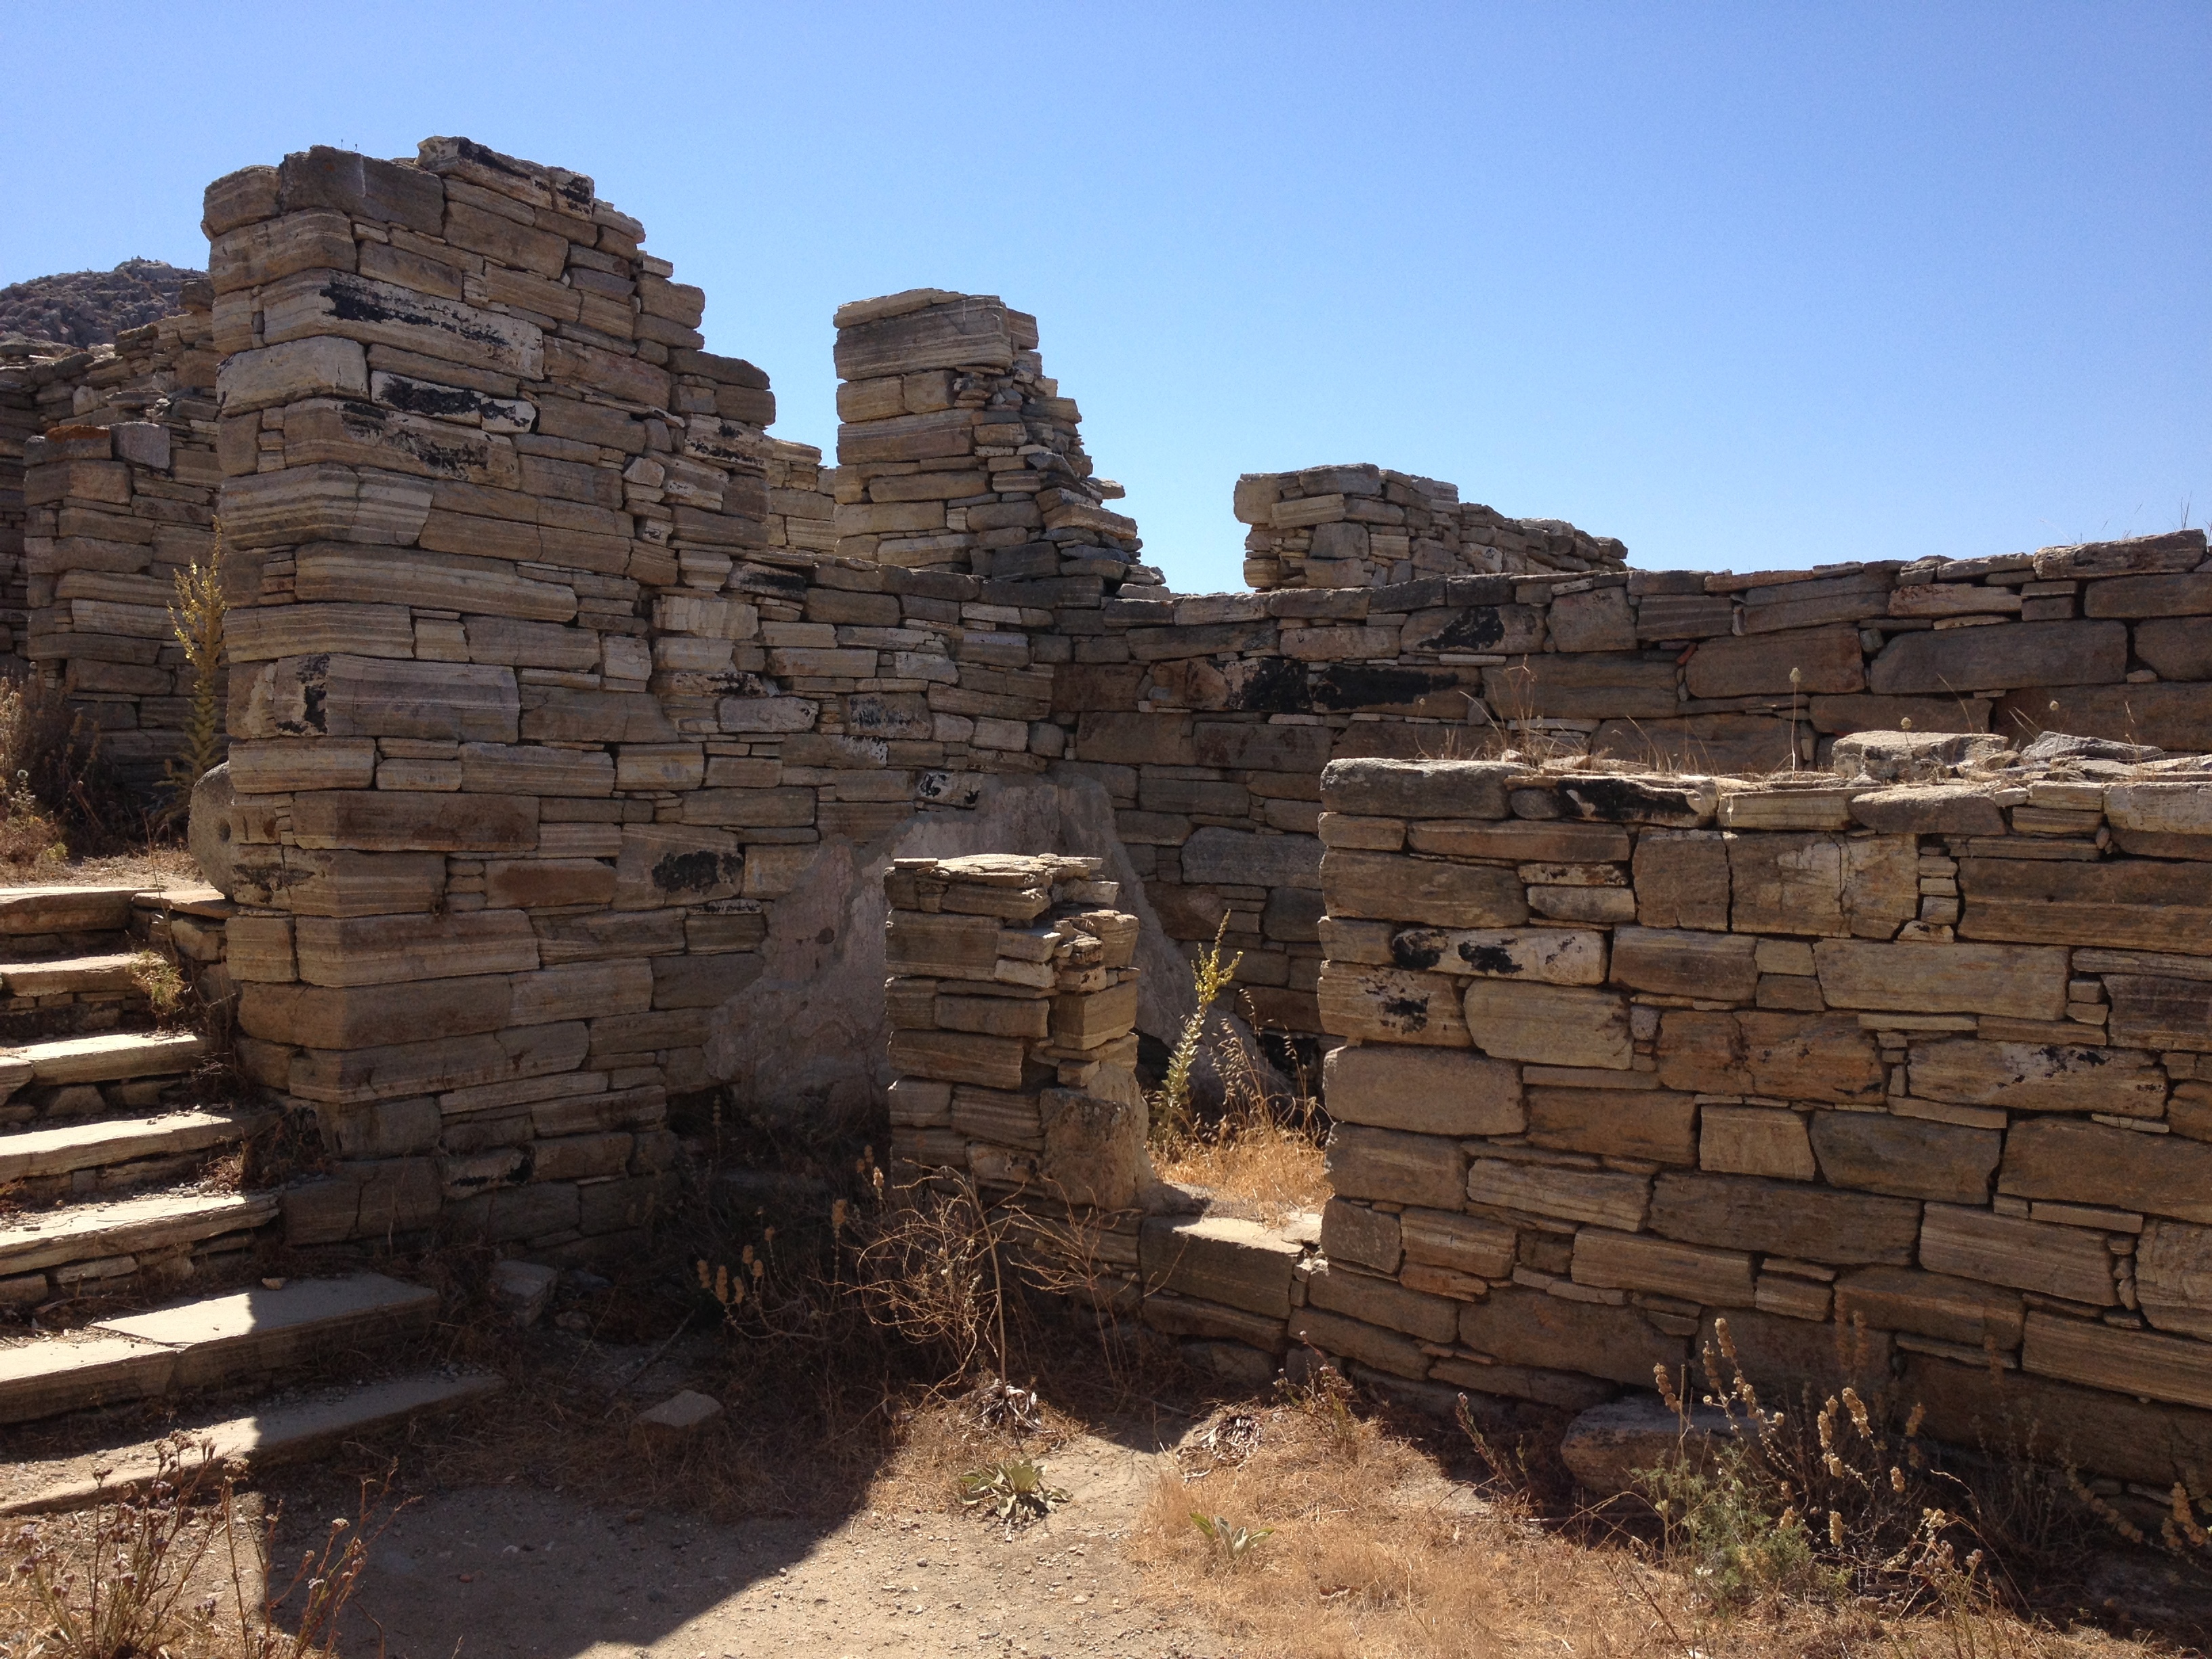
column 1747, row 286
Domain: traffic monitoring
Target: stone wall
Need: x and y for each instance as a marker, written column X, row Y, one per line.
column 1906, row 1081
column 1364, row 527
column 119, row 478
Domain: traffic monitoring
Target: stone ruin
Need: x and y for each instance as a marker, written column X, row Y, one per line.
column 1821, row 950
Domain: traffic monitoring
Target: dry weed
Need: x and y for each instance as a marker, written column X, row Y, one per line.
column 1264, row 1148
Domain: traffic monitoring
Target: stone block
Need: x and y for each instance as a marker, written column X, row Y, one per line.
column 270, row 376
column 1584, row 686
column 1356, row 1340
column 1527, row 1327
column 2173, row 1276
column 1677, row 962
column 1417, row 789
column 1682, row 878
column 2019, row 981
column 1382, row 1302
column 1519, row 842
column 1952, row 660
column 1603, row 1198
column 1961, row 1310
column 2076, row 1162
column 2175, row 717
column 1388, row 1005
column 1395, row 1167
column 1638, row 1262
column 1391, row 887
column 1755, row 1140
column 959, row 1057
column 1243, row 857
column 1424, row 1091
column 1550, row 956
column 1094, row 1148
column 1550, row 1024
column 1454, row 1242
column 1357, row 1233
column 2147, row 1364
column 1598, row 620
column 2030, row 1255
column 1781, row 1217
column 1219, row 1259
column 384, row 821
column 2028, row 1416
column 2127, row 904
column 1904, row 1157
column 1825, row 660
column 2033, row 1077
column 352, row 697
column 966, row 331
column 1785, row 1056
column 1860, row 886
column 2154, row 1012
column 281, row 765
column 1640, row 1123
column 342, row 950
column 1780, row 1355
column 1938, row 808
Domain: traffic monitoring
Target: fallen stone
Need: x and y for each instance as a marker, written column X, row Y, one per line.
column 676, row 1418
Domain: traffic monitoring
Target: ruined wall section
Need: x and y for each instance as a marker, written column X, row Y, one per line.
column 498, row 540
column 1908, row 1084
column 119, row 478
column 1366, row 526
column 1208, row 718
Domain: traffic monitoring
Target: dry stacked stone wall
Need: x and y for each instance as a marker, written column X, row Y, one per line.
column 118, row 450
column 1906, row 1081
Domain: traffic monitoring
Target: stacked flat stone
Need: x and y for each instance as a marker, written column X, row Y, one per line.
column 119, row 494
column 801, row 508
column 1012, row 1006
column 1912, row 1080
column 1365, row 527
column 495, row 524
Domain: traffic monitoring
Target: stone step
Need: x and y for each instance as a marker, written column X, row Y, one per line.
column 206, row 1342
column 43, row 1254
column 28, row 1154
column 112, row 1057
column 283, row 1431
column 70, row 975
column 37, row 910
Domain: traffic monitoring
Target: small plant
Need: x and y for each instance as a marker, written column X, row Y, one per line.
column 1232, row 1543
column 159, row 981
column 1209, row 979
column 63, row 785
column 196, row 620
column 28, row 835
column 1013, row 1492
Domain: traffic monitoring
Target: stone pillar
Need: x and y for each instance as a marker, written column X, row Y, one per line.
column 1012, row 1012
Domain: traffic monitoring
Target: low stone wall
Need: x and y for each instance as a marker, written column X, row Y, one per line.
column 1364, row 526
column 1902, row 1081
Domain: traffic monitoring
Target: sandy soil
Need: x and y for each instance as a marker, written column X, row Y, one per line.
column 515, row 1571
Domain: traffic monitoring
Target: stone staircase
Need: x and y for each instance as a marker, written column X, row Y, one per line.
column 114, row 1186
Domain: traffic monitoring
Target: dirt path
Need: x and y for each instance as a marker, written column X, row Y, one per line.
column 520, row 1570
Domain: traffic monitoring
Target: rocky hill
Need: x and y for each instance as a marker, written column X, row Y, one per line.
column 87, row 307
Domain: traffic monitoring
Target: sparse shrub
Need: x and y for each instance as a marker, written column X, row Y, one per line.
column 1013, row 1492
column 1209, row 979
column 29, row 838
column 196, row 619
column 64, row 790
column 157, row 980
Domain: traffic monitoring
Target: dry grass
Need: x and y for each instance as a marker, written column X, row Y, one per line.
column 1264, row 1148
column 1376, row 1555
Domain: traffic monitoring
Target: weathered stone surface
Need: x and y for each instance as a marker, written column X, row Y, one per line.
column 1425, row 1090
column 2031, row 1255
column 2177, row 717
column 1806, row 1223
column 1824, row 660
column 1518, row 841
column 1237, row 1264
column 2055, row 1422
column 1238, row 857
column 1458, row 1244
column 1755, row 1140
column 1780, row 1355
column 1638, row 1262
column 2150, row 1012
column 1417, row 789
column 1094, row 1148
column 2021, row 982
column 2145, row 1363
column 1604, row 1197
column 1905, row 1157
column 376, row 821
column 2173, row 1276
column 2126, row 904
column 1938, row 808
column 1963, row 659
column 1643, row 1124
column 1527, row 1327
column 1384, row 1302
column 1354, row 1232
column 2025, row 1077
column 1682, row 878
column 1356, row 1340
column 1610, row 1448
column 1391, row 887
column 2076, row 1162
column 394, row 950
column 1859, row 886
column 1383, row 1005
column 1950, row 1309
column 1396, row 1168
column 1677, row 962
column 1785, row 1056
column 1552, row 1024
column 1551, row 956
column 1586, row 685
